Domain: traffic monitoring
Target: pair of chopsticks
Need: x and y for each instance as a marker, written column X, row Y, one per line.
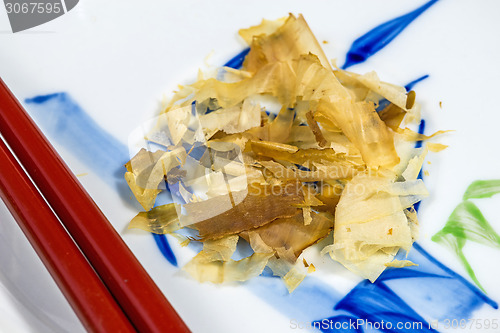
column 102, row 280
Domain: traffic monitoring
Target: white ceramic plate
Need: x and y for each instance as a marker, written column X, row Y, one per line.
column 117, row 59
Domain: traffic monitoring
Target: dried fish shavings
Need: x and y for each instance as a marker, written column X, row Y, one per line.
column 392, row 115
column 344, row 132
column 306, row 215
column 236, row 119
column 304, row 157
column 212, row 170
column 310, row 76
column 289, row 41
column 310, row 193
column 291, row 274
column 415, row 164
column 395, row 94
column 183, row 97
column 357, row 120
column 145, row 172
column 175, row 127
column 279, row 129
column 400, row 263
column 276, row 79
column 310, row 267
column 311, row 81
column 146, row 197
column 410, row 135
column 369, row 88
column 163, row 219
column 436, row 147
column 266, row 27
column 371, row 224
column 411, row 215
column 261, row 205
column 301, row 108
column 214, row 263
column 300, row 135
column 178, row 122
column 333, row 171
column 291, row 233
column 329, row 194
column 282, row 262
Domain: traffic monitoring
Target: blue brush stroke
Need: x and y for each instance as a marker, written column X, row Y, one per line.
column 418, row 144
column 65, row 121
column 68, row 124
column 311, row 300
column 162, row 243
column 377, row 38
column 407, row 295
column 421, row 129
column 237, row 61
column 409, row 86
column 432, row 289
column 376, row 303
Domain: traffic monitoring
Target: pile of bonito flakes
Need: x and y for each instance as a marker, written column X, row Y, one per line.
column 280, row 154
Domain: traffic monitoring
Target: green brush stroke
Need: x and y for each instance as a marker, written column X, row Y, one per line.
column 482, row 189
column 467, row 222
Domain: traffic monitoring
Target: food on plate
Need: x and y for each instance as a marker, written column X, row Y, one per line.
column 280, row 153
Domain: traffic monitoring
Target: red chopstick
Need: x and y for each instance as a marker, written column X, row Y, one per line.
column 85, row 292
column 139, row 297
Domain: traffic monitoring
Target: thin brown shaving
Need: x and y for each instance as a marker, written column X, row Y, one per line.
column 273, row 202
column 301, row 156
column 392, row 115
column 291, row 233
column 315, row 129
